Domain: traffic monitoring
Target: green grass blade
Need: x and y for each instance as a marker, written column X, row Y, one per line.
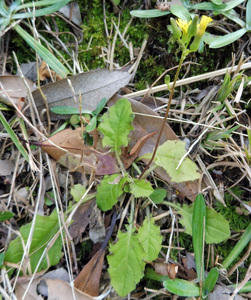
column 39, row 4
column 198, row 230
column 46, row 55
column 248, row 15
column 245, row 239
column 13, row 137
column 40, row 12
column 150, row 13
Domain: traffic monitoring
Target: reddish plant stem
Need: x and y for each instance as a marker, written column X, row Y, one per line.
column 183, row 56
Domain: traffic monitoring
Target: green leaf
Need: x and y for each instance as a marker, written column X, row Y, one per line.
column 198, row 232
column 245, row 239
column 150, row 237
column 168, row 156
column 217, row 228
column 67, row 110
column 217, row 2
column 6, row 215
column 150, row 13
column 141, row 188
column 158, row 195
column 92, row 125
column 208, row 6
column 46, row 55
column 100, row 106
column 13, row 137
column 245, row 289
column 109, row 190
column 182, row 287
column 77, row 192
column 221, row 41
column 1, row 258
column 116, row 125
column 151, row 274
column 40, row 12
column 210, row 281
column 45, row 229
column 49, row 198
column 248, row 15
column 181, row 12
column 126, row 263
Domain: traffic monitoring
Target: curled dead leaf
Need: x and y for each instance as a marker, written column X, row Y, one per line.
column 68, row 149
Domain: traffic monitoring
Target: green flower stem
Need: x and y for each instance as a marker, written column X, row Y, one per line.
column 185, row 52
column 149, row 170
column 123, row 170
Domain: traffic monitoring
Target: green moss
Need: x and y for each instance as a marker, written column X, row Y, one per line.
column 236, row 221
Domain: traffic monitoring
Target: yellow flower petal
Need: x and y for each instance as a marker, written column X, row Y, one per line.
column 203, row 25
column 183, row 25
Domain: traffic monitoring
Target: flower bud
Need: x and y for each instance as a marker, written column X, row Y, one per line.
column 193, row 26
column 176, row 29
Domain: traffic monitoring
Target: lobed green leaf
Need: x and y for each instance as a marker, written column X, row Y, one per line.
column 217, row 228
column 109, row 190
column 141, row 188
column 117, row 124
column 150, row 237
column 168, row 156
column 126, row 263
column 77, row 192
column 158, row 195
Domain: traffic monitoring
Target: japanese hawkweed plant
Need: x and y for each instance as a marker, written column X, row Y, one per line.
column 185, row 32
column 189, row 36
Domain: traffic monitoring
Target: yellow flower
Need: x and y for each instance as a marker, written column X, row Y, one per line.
column 183, row 25
column 199, row 33
column 203, row 25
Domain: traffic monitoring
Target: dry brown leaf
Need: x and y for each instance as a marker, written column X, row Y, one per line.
column 134, row 153
column 78, row 156
column 6, row 167
column 97, row 227
column 61, row 290
column 145, row 122
column 44, row 72
column 88, row 279
column 81, row 219
column 163, row 268
column 91, row 86
column 22, row 285
column 15, row 88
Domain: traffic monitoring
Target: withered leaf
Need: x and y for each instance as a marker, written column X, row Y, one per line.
column 89, row 278
column 78, row 157
column 15, row 87
column 163, row 268
column 91, row 86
